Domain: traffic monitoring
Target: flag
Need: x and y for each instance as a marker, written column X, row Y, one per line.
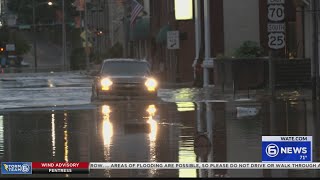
column 136, row 9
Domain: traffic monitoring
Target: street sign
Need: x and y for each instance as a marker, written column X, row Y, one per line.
column 276, row 40
column 276, row 1
column 10, row 47
column 173, row 41
column 276, row 27
column 276, row 12
column 89, row 38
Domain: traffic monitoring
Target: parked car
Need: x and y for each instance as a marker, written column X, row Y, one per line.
column 124, row 78
column 23, row 63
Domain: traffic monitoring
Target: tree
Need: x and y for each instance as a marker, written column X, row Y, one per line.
column 23, row 9
column 13, row 37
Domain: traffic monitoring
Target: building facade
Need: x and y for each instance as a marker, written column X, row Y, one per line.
column 231, row 24
column 218, row 28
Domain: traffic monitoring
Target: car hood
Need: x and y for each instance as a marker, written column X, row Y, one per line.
column 127, row 79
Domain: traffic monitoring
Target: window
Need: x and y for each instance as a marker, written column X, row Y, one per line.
column 125, row 68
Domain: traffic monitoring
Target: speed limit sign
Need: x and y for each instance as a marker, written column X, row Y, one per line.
column 276, row 40
column 276, row 12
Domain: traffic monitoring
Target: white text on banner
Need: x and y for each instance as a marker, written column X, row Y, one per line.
column 214, row 165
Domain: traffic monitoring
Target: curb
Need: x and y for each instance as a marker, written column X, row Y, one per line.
column 176, row 85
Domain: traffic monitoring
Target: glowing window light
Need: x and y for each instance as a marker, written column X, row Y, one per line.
column 183, row 9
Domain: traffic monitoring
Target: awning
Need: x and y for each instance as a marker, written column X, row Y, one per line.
column 141, row 30
column 162, row 34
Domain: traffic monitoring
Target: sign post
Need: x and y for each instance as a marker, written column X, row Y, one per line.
column 173, row 40
column 276, row 35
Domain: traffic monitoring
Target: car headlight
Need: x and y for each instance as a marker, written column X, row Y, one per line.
column 106, row 83
column 151, row 84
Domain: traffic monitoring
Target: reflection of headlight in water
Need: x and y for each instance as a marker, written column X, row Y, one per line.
column 53, row 134
column 153, row 129
column 151, row 110
column 107, row 127
column 107, row 132
column 106, row 110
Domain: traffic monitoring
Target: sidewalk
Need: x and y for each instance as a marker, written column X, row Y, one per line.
column 257, row 95
column 170, row 85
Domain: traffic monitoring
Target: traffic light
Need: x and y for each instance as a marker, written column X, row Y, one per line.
column 1, row 49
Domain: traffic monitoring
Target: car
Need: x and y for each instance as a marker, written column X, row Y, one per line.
column 24, row 64
column 124, row 78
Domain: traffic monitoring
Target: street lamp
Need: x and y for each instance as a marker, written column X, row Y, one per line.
column 34, row 31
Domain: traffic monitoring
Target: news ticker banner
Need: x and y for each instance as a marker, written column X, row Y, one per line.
column 286, row 148
column 278, row 152
column 213, row 165
column 85, row 167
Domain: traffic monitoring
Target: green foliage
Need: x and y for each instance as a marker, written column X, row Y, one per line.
column 223, row 56
column 249, row 49
column 44, row 12
column 78, row 56
column 13, row 37
column 22, row 46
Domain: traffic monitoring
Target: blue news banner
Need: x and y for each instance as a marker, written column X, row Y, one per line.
column 16, row 168
column 286, row 148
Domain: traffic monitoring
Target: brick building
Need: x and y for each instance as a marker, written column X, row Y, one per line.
column 231, row 23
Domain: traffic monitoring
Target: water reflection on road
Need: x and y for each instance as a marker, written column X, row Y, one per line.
column 150, row 131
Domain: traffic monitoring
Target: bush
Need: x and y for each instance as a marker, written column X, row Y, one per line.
column 249, row 49
column 12, row 37
column 78, row 56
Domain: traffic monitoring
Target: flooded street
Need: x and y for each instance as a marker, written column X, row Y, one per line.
column 66, row 126
column 160, row 88
column 47, row 89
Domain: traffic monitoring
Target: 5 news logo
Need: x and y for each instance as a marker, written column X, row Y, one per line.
column 286, row 148
column 16, row 168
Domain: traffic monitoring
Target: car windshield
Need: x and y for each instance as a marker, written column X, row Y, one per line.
column 125, row 68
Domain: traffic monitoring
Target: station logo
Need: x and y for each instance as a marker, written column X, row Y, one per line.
column 16, row 168
column 286, row 148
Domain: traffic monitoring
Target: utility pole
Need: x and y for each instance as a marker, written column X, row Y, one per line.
column 315, row 61
column 64, row 46
column 208, row 61
column 125, row 29
column 86, row 32
column 34, row 35
column 198, row 36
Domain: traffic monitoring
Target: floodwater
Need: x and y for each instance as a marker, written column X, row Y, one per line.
column 146, row 131
column 168, row 130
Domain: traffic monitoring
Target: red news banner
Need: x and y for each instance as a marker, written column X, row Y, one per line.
column 60, row 167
